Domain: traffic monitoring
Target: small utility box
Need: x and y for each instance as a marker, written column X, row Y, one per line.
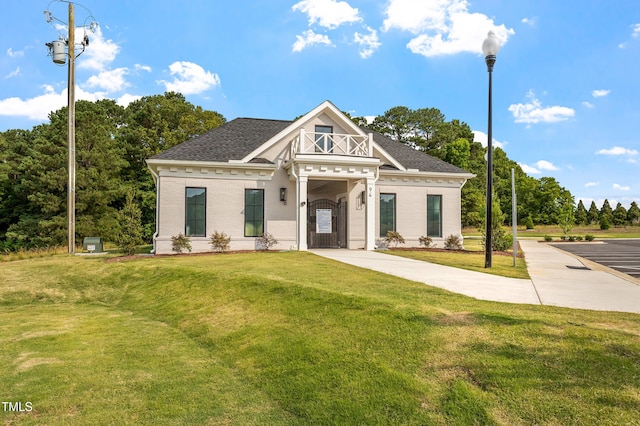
column 92, row 244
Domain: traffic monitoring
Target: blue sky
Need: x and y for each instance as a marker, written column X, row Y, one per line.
column 566, row 98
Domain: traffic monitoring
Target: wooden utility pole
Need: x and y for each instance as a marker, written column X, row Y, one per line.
column 71, row 129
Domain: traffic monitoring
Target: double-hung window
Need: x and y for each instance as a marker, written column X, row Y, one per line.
column 387, row 213
column 434, row 215
column 324, row 140
column 195, row 212
column 253, row 212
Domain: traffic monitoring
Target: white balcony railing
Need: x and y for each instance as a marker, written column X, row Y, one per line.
column 332, row 143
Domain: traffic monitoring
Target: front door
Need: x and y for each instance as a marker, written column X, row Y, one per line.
column 327, row 224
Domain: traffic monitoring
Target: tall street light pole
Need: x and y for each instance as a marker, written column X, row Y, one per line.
column 490, row 48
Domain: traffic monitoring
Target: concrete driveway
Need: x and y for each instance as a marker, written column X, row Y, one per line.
column 557, row 279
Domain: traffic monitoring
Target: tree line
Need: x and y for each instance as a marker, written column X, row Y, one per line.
column 540, row 201
column 112, row 143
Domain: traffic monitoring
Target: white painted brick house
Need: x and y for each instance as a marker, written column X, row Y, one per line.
column 317, row 182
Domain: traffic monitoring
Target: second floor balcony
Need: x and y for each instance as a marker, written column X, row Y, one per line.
column 332, row 143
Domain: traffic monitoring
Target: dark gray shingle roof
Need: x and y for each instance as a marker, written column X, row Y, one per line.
column 235, row 139
column 413, row 159
column 232, row 141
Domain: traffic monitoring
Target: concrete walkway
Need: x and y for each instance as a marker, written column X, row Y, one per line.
column 557, row 279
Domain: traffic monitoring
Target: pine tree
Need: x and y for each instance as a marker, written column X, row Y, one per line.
column 606, row 215
column 593, row 215
column 619, row 215
column 633, row 214
column 129, row 226
column 581, row 214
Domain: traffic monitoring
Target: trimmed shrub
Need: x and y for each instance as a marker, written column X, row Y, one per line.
column 266, row 241
column 548, row 238
column 589, row 237
column 220, row 241
column 453, row 242
column 528, row 222
column 180, row 242
column 425, row 241
column 394, row 238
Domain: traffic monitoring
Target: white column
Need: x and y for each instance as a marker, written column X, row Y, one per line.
column 370, row 206
column 302, row 141
column 370, row 144
column 301, row 218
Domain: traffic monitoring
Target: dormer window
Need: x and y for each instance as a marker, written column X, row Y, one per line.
column 324, row 140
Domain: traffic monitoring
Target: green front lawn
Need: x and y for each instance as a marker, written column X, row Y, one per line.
column 292, row 338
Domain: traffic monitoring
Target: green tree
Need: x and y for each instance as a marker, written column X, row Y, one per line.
column 128, row 229
column 500, row 241
column 606, row 210
column 547, row 199
column 112, row 144
column 633, row 214
column 619, row 215
column 42, row 176
column 458, row 153
column 593, row 215
column 566, row 217
column 581, row 214
column 154, row 124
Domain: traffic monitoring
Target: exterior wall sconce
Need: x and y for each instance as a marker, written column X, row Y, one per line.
column 363, row 197
column 283, row 195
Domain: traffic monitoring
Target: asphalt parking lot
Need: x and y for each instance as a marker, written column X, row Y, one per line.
column 621, row 255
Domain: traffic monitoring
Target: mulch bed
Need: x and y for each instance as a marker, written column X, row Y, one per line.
column 441, row 250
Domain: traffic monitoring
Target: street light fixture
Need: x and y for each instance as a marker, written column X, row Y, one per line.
column 490, row 48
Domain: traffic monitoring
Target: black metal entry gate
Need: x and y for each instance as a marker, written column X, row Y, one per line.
column 327, row 224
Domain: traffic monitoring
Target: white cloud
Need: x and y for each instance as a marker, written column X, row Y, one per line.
column 189, row 78
column 530, row 21
column 100, row 52
column 111, row 81
column 635, row 33
column 409, row 15
column 618, row 150
column 369, row 42
column 546, row 165
column 537, row 167
column 620, row 187
column 482, row 137
column 588, row 104
column 126, row 99
column 534, row 112
column 14, row 73
column 529, row 169
column 309, row 38
column 591, row 184
column 442, row 27
column 39, row 107
column 328, row 13
column 600, row 93
column 14, row 54
column 139, row 67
